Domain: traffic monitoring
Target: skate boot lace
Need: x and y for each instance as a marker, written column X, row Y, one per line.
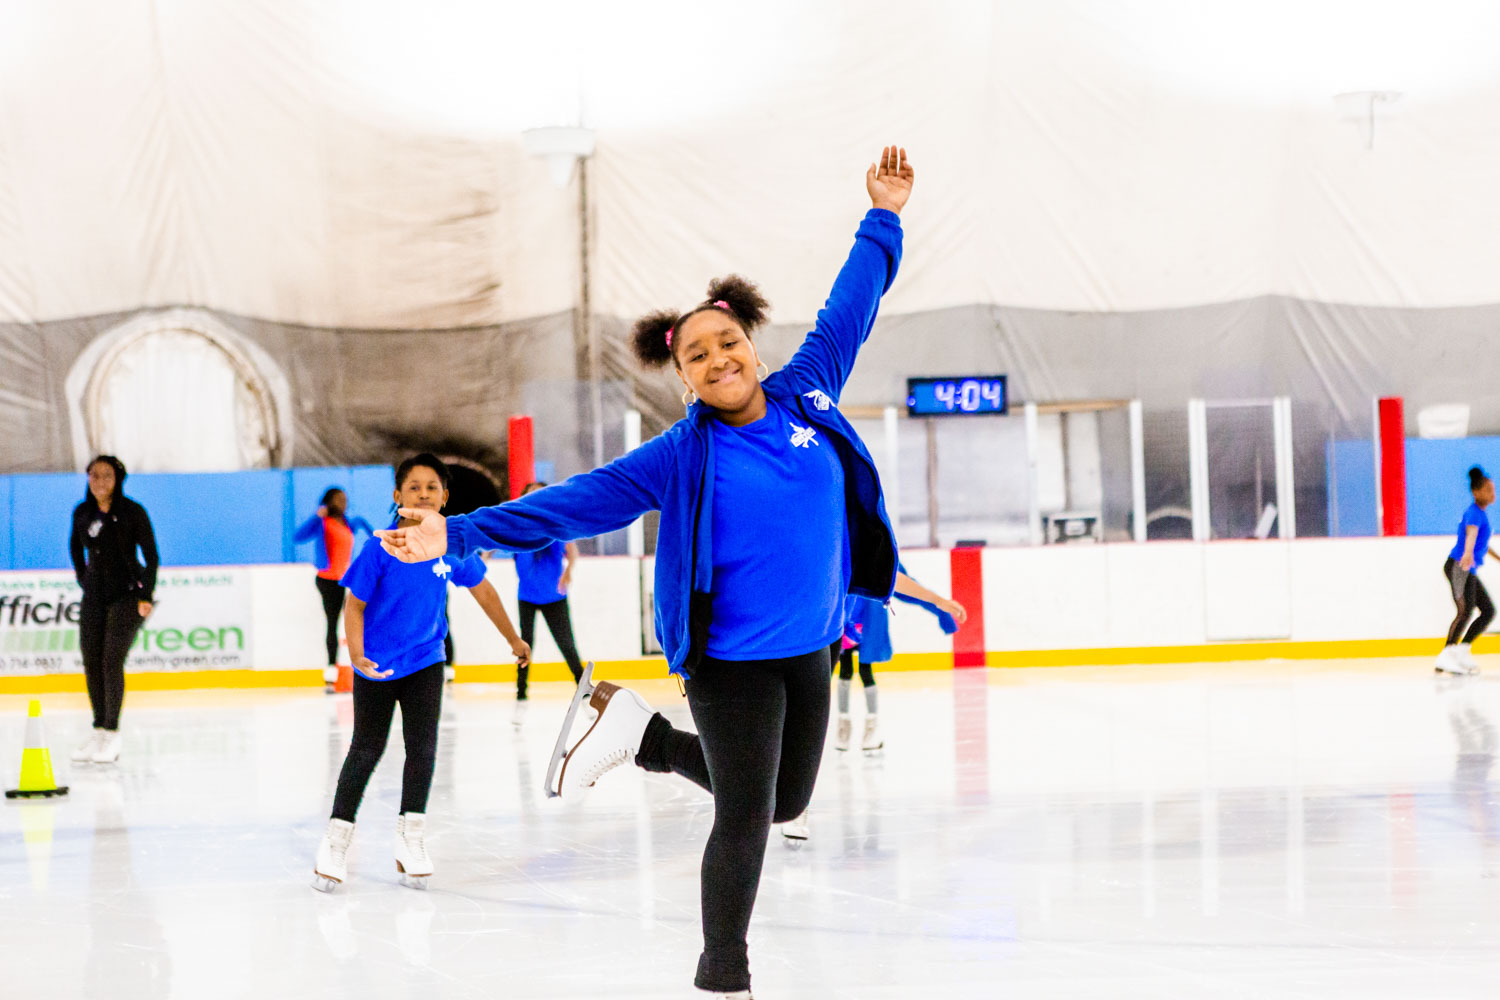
column 608, row 762
column 416, row 847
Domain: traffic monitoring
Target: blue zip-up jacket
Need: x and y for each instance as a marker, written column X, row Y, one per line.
column 312, row 530
column 674, row 471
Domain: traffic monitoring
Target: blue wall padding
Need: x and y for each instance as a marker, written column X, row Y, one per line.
column 201, row 519
column 1437, row 483
column 1437, row 480
column 1351, row 489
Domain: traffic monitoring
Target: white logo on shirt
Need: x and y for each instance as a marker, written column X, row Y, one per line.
column 95, row 528
column 441, row 568
column 802, row 435
column 820, row 399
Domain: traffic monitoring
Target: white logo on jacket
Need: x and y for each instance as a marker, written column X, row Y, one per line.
column 441, row 568
column 95, row 528
column 820, row 399
column 802, row 435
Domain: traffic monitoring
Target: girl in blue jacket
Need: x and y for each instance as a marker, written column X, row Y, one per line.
column 771, row 512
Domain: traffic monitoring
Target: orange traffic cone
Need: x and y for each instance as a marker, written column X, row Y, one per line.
column 346, row 679
column 36, row 761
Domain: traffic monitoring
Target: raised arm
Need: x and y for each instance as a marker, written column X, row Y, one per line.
column 308, row 530
column 827, row 355
column 484, row 594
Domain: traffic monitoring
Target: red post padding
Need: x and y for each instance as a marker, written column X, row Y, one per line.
column 1392, row 431
column 522, row 460
column 966, row 567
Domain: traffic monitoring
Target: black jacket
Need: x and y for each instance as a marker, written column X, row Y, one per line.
column 111, row 570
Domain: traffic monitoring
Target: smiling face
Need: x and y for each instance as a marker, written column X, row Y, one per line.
column 102, row 482
column 421, row 489
column 716, row 360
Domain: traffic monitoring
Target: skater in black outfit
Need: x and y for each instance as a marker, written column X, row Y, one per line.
column 118, row 588
column 771, row 512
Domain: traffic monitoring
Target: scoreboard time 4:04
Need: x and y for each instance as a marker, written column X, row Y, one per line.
column 963, row 395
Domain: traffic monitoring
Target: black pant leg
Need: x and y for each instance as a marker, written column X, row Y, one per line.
column 846, row 663
column 1486, row 610
column 421, row 698
column 739, row 708
column 92, row 614
column 560, row 624
column 527, row 613
column 803, row 734
column 332, row 594
column 121, row 624
column 866, row 673
column 1461, row 586
column 374, row 705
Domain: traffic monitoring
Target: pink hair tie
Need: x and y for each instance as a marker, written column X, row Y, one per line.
column 669, row 336
column 720, row 303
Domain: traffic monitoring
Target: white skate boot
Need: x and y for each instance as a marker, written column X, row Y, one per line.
column 873, row 740
column 613, row 739
column 85, row 752
column 1466, row 658
column 411, row 852
column 795, row 830
column 845, row 727
column 332, row 866
column 1450, row 661
column 108, row 750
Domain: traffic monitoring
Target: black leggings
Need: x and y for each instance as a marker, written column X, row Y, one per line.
column 420, row 696
column 846, row 668
column 105, row 631
column 560, row 624
column 761, row 726
column 1468, row 594
column 332, row 593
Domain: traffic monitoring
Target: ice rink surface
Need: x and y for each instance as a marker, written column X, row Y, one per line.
column 1224, row 830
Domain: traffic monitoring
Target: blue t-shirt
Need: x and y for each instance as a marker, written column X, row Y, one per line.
column 780, row 539
column 539, row 572
column 1476, row 517
column 405, row 605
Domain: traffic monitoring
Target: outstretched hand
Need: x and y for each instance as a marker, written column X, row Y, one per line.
column 889, row 181
column 421, row 542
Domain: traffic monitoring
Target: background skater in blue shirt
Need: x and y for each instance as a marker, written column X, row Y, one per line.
column 395, row 625
column 771, row 512
column 544, row 577
column 1468, row 593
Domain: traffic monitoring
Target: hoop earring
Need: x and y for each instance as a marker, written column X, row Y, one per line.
column 685, row 394
column 759, row 364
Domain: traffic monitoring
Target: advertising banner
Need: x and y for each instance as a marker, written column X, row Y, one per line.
column 201, row 621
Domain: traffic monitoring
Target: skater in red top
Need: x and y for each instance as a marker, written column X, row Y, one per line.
column 332, row 531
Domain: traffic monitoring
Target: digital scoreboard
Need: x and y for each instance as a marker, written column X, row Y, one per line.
column 964, row 395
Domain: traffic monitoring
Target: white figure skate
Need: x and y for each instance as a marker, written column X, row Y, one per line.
column 795, row 831
column 85, row 752
column 873, row 740
column 845, row 727
column 411, row 850
column 612, row 740
column 108, row 750
column 332, row 866
column 1451, row 661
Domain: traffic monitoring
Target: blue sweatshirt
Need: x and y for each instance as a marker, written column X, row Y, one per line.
column 311, row 530
column 674, row 471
